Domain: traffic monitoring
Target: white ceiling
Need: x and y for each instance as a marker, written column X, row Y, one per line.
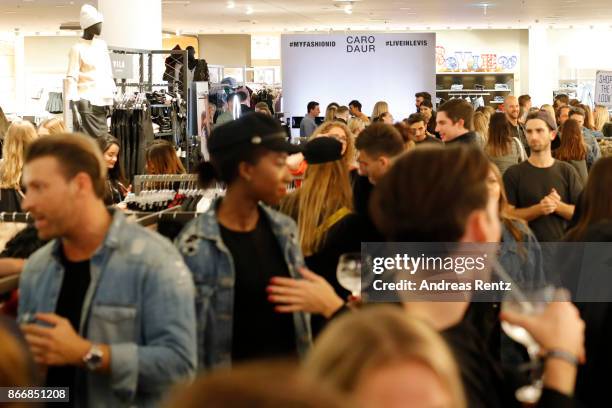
column 198, row 16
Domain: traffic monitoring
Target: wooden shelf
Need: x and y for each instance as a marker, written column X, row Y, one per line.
column 474, row 90
column 474, row 73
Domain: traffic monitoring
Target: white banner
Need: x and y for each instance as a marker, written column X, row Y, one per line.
column 603, row 88
column 369, row 67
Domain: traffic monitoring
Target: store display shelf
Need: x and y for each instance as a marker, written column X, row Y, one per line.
column 474, row 90
column 474, row 73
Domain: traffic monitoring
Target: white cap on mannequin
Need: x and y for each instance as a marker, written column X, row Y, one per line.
column 90, row 16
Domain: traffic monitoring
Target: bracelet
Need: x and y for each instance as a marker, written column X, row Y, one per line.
column 563, row 355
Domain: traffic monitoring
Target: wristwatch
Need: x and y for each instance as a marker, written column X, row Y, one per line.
column 563, row 355
column 93, row 358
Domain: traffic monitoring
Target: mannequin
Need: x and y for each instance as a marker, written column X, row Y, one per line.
column 92, row 87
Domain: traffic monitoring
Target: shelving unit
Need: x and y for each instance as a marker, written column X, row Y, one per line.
column 469, row 80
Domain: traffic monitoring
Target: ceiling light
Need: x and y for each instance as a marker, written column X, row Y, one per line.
column 249, row 10
column 176, row 2
column 231, row 4
column 348, row 9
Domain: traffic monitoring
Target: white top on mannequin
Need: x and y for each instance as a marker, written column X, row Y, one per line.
column 90, row 74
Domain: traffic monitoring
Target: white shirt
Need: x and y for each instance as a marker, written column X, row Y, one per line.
column 90, row 72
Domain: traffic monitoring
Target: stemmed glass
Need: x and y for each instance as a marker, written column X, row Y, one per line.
column 349, row 272
column 534, row 303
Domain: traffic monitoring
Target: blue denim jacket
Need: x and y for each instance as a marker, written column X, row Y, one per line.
column 593, row 150
column 212, row 266
column 139, row 302
column 522, row 260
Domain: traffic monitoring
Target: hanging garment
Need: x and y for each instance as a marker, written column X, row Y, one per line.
column 134, row 129
column 55, row 104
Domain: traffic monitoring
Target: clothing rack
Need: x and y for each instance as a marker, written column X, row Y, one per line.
column 181, row 133
column 454, row 93
column 16, row 217
column 147, row 219
column 141, row 180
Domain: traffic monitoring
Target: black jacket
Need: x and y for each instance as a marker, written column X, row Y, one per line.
column 469, row 138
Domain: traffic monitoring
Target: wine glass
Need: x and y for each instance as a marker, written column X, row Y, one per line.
column 534, row 303
column 349, row 272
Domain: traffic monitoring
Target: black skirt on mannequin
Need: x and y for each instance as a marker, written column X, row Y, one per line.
column 89, row 119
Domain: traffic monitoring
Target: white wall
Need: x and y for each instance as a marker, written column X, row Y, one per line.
column 7, row 73
column 389, row 67
column 579, row 52
column 45, row 65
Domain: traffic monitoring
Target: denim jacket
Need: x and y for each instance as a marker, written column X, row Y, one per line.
column 522, row 260
column 593, row 150
column 212, row 266
column 139, row 302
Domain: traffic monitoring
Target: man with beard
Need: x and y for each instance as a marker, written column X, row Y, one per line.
column 541, row 190
column 513, row 112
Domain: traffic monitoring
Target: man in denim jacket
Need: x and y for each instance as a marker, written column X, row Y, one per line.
column 106, row 306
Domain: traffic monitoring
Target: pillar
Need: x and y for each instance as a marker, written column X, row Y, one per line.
column 540, row 80
column 132, row 23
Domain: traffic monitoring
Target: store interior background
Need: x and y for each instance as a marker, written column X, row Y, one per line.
column 553, row 41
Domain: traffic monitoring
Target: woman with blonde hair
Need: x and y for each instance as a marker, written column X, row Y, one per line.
column 53, row 126
column 330, row 111
column 379, row 108
column 481, row 126
column 601, row 117
column 356, row 125
column 383, row 357
column 339, row 131
column 18, row 138
column 325, row 196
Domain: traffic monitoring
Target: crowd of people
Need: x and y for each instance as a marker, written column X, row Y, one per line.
column 247, row 298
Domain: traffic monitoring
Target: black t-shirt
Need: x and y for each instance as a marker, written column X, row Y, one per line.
column 69, row 305
column 258, row 331
column 486, row 384
column 526, row 185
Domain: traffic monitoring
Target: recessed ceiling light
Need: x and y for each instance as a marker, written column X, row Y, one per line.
column 249, row 10
column 231, row 5
column 348, row 9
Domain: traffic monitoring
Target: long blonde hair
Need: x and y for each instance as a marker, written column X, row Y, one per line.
column 380, row 107
column 602, row 116
column 18, row 138
column 481, row 125
column 325, row 190
column 377, row 337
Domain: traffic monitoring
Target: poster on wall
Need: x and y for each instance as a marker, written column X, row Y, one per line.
column 368, row 67
column 603, row 88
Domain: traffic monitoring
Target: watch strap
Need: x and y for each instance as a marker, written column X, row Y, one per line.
column 563, row 355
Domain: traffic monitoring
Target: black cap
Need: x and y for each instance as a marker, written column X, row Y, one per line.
column 322, row 149
column 253, row 129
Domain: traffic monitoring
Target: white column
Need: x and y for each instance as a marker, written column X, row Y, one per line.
column 132, row 23
column 20, row 86
column 540, row 63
